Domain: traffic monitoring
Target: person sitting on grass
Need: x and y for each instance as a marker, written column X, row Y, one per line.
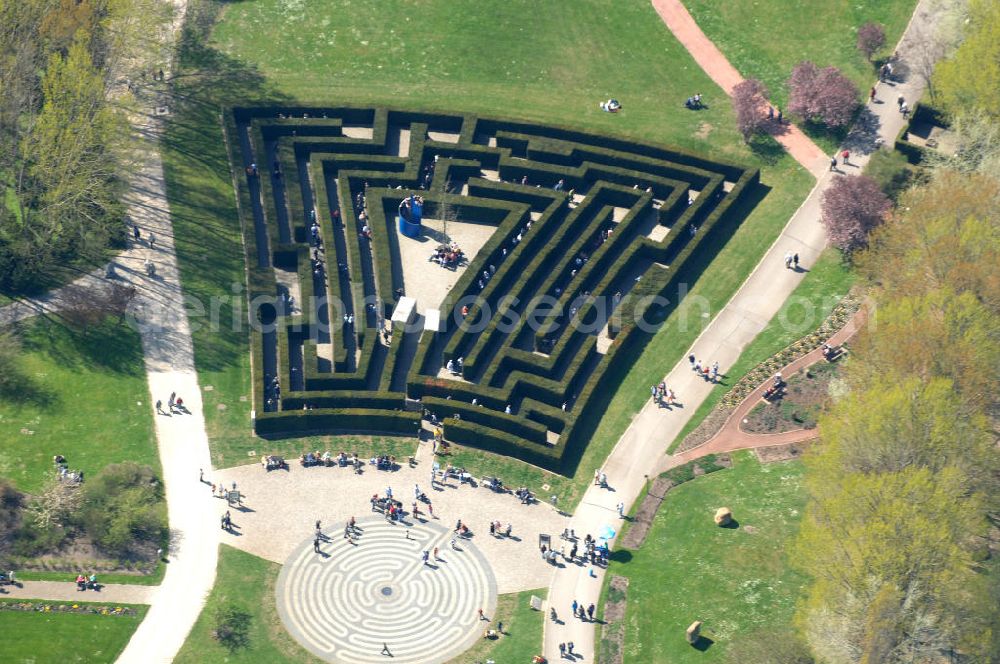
column 611, row 106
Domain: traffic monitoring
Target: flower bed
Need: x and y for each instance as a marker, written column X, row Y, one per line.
column 716, row 419
column 53, row 607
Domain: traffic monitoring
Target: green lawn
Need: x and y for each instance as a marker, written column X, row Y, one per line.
column 247, row 582
column 811, row 302
column 522, row 631
column 40, row 638
column 88, row 401
column 765, row 40
column 542, row 61
column 735, row 580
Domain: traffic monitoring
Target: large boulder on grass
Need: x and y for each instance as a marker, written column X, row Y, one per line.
column 723, row 516
column 693, row 632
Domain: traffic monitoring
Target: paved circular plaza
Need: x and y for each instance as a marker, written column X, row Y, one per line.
column 343, row 604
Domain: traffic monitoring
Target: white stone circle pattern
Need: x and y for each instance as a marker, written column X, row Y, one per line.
column 344, row 606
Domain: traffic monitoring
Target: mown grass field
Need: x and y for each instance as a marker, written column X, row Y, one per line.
column 766, row 39
column 65, row 637
column 522, row 631
column 87, row 400
column 736, row 580
column 246, row 582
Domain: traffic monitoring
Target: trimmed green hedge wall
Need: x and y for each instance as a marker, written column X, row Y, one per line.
column 336, row 420
column 503, row 365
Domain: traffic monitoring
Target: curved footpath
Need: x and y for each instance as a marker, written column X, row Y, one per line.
column 731, row 437
column 158, row 311
column 710, row 59
column 760, row 297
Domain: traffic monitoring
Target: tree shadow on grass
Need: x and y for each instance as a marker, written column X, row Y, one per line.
column 622, row 556
column 199, row 186
column 20, row 388
column 111, row 346
column 766, row 148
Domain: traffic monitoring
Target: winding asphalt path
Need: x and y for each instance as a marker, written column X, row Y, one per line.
column 643, row 444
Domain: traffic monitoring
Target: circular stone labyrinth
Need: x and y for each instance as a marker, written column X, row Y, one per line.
column 346, row 602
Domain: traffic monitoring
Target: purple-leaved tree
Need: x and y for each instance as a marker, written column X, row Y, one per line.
column 750, row 103
column 852, row 206
column 871, row 38
column 822, row 95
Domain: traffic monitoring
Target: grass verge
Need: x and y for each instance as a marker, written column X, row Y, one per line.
column 247, row 582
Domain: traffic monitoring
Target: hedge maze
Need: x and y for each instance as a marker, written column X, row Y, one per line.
column 542, row 322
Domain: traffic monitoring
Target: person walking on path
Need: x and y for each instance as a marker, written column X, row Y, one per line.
column 788, row 260
column 316, row 545
column 795, row 260
column 871, row 95
column 562, row 649
column 846, row 154
column 575, row 606
column 833, row 163
column 152, row 240
column 590, row 612
column 385, row 650
column 159, row 407
column 621, row 510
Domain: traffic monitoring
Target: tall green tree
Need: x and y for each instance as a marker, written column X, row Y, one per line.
column 907, row 422
column 908, row 531
column 970, row 78
column 75, row 154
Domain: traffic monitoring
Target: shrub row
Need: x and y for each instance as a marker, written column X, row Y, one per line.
column 481, row 437
column 338, row 420
column 511, row 424
column 344, row 399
